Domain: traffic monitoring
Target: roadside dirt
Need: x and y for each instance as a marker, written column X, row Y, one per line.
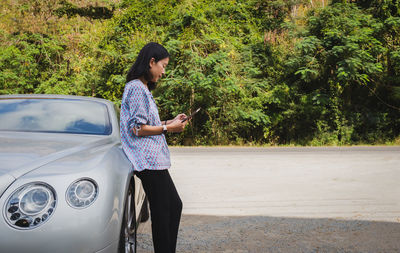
column 250, row 234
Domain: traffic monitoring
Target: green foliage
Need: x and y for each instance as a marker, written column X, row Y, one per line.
column 342, row 58
column 28, row 61
column 263, row 72
column 94, row 12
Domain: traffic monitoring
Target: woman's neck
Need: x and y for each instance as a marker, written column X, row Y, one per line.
column 144, row 81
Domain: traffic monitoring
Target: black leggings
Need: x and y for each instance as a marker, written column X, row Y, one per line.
column 165, row 208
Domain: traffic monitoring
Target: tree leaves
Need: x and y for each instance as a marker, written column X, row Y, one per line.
column 264, row 72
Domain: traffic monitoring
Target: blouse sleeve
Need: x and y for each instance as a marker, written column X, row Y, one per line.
column 139, row 108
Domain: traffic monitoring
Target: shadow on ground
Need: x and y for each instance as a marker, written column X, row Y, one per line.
column 249, row 234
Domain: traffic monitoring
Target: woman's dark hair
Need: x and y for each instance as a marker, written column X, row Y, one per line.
column 141, row 66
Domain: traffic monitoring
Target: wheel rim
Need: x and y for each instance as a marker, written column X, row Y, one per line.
column 130, row 223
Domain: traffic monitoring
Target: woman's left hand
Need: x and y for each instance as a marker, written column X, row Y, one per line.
column 180, row 117
column 177, row 126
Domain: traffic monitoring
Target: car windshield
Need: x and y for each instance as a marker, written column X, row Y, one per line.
column 54, row 115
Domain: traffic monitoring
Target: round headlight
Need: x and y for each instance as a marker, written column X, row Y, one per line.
column 35, row 200
column 30, row 205
column 82, row 193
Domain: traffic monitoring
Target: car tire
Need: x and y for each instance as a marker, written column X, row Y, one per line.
column 127, row 239
column 144, row 212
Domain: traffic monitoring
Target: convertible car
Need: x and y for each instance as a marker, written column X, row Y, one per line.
column 65, row 182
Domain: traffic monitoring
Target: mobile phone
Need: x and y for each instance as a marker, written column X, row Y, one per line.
column 191, row 115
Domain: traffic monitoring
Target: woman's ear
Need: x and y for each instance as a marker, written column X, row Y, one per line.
column 152, row 62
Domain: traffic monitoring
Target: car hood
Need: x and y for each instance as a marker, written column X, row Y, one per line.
column 5, row 181
column 21, row 153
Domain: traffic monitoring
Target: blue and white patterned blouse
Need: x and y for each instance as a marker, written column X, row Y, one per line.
column 139, row 108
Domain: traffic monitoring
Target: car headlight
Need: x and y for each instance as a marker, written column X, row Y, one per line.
column 30, row 205
column 82, row 193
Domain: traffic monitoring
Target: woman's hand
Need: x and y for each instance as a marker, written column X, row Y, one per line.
column 179, row 117
column 177, row 126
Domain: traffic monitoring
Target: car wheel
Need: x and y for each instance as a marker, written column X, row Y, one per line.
column 127, row 240
column 144, row 212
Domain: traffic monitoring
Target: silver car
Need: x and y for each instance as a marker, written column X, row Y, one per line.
column 65, row 183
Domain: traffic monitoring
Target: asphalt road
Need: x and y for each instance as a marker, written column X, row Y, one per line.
column 337, row 199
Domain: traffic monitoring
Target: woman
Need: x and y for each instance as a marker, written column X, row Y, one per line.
column 143, row 140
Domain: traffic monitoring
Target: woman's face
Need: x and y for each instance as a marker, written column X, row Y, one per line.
column 157, row 69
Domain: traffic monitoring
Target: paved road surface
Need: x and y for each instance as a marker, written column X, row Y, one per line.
column 334, row 199
column 351, row 183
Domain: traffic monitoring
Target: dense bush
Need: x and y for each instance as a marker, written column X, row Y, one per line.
column 264, row 72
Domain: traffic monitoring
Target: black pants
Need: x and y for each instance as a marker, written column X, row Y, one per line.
column 165, row 208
